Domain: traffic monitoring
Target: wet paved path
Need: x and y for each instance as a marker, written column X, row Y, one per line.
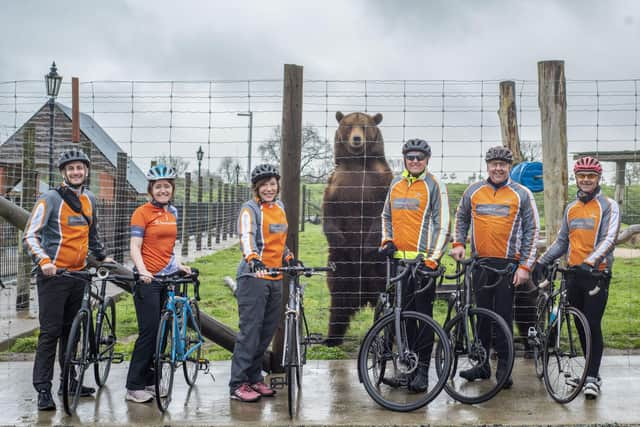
column 331, row 396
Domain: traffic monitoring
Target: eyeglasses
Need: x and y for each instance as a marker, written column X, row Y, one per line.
column 415, row 157
column 587, row 176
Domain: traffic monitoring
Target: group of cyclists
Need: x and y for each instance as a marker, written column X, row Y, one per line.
column 497, row 214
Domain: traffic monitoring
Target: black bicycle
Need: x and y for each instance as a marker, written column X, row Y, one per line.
column 561, row 337
column 465, row 324
column 89, row 344
column 400, row 343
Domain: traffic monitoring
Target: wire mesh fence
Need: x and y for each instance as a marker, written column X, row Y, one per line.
column 236, row 124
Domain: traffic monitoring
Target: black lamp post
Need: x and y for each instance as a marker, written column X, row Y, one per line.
column 53, row 80
column 237, row 173
column 200, row 156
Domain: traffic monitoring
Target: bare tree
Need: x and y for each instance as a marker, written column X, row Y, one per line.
column 316, row 158
column 178, row 163
column 531, row 151
column 229, row 169
column 632, row 174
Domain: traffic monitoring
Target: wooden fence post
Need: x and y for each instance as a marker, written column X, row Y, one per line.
column 509, row 120
column 219, row 206
column 226, row 213
column 29, row 192
column 621, row 165
column 290, row 154
column 200, row 216
column 121, row 201
column 210, row 214
column 552, row 100
column 185, row 213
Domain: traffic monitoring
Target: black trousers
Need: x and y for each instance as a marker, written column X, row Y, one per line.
column 59, row 299
column 422, row 302
column 498, row 299
column 149, row 300
column 592, row 306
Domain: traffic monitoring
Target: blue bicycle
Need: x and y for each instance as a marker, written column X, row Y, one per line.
column 179, row 340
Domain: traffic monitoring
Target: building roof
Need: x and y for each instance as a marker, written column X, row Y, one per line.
column 108, row 147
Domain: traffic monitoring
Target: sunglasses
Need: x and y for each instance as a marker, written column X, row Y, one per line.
column 587, row 175
column 415, row 157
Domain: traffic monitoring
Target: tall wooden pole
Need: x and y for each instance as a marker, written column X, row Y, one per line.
column 552, row 100
column 509, row 120
column 290, row 154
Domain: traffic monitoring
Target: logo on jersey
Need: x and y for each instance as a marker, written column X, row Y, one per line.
column 582, row 224
column 406, row 203
column 492, row 210
column 277, row 228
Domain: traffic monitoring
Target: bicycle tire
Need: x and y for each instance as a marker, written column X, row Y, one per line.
column 192, row 362
column 566, row 359
column 75, row 361
column 290, row 365
column 378, row 347
column 543, row 312
column 105, row 341
column 468, row 352
column 165, row 364
column 303, row 333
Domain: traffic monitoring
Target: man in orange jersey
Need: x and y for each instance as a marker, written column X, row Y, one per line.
column 415, row 220
column 588, row 236
column 504, row 223
column 59, row 234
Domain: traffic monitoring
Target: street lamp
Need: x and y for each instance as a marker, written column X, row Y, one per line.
column 237, row 173
column 200, row 156
column 250, row 115
column 53, row 80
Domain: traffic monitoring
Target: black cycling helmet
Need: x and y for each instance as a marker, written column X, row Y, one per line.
column 264, row 171
column 416, row 145
column 158, row 172
column 73, row 155
column 499, row 153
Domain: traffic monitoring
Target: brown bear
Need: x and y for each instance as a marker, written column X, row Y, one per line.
column 352, row 204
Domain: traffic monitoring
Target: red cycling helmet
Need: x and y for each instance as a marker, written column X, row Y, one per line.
column 587, row 164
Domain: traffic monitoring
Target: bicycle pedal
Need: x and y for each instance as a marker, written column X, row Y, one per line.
column 277, row 382
column 314, row 339
column 117, row 358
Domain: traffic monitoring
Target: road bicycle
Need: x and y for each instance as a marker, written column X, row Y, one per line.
column 561, row 337
column 467, row 327
column 399, row 344
column 179, row 339
column 296, row 332
column 89, row 344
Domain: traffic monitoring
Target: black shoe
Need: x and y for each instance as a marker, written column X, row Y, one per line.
column 479, row 372
column 420, row 382
column 500, row 373
column 45, row 401
column 84, row 391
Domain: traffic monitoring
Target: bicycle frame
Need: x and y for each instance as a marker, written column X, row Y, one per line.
column 293, row 308
column 179, row 325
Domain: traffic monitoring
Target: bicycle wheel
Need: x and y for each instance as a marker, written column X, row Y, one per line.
column 567, row 352
column 75, row 362
column 392, row 388
column 468, row 352
column 165, row 360
column 291, row 362
column 192, row 346
column 543, row 313
column 105, row 340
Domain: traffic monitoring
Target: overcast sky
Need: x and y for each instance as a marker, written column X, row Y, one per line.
column 377, row 39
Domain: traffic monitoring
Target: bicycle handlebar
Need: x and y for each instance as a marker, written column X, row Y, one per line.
column 474, row 261
column 180, row 278
column 597, row 274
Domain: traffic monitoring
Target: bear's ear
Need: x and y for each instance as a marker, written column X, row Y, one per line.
column 377, row 118
column 339, row 116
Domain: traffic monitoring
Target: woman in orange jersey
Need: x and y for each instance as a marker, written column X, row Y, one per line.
column 588, row 236
column 262, row 227
column 153, row 234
